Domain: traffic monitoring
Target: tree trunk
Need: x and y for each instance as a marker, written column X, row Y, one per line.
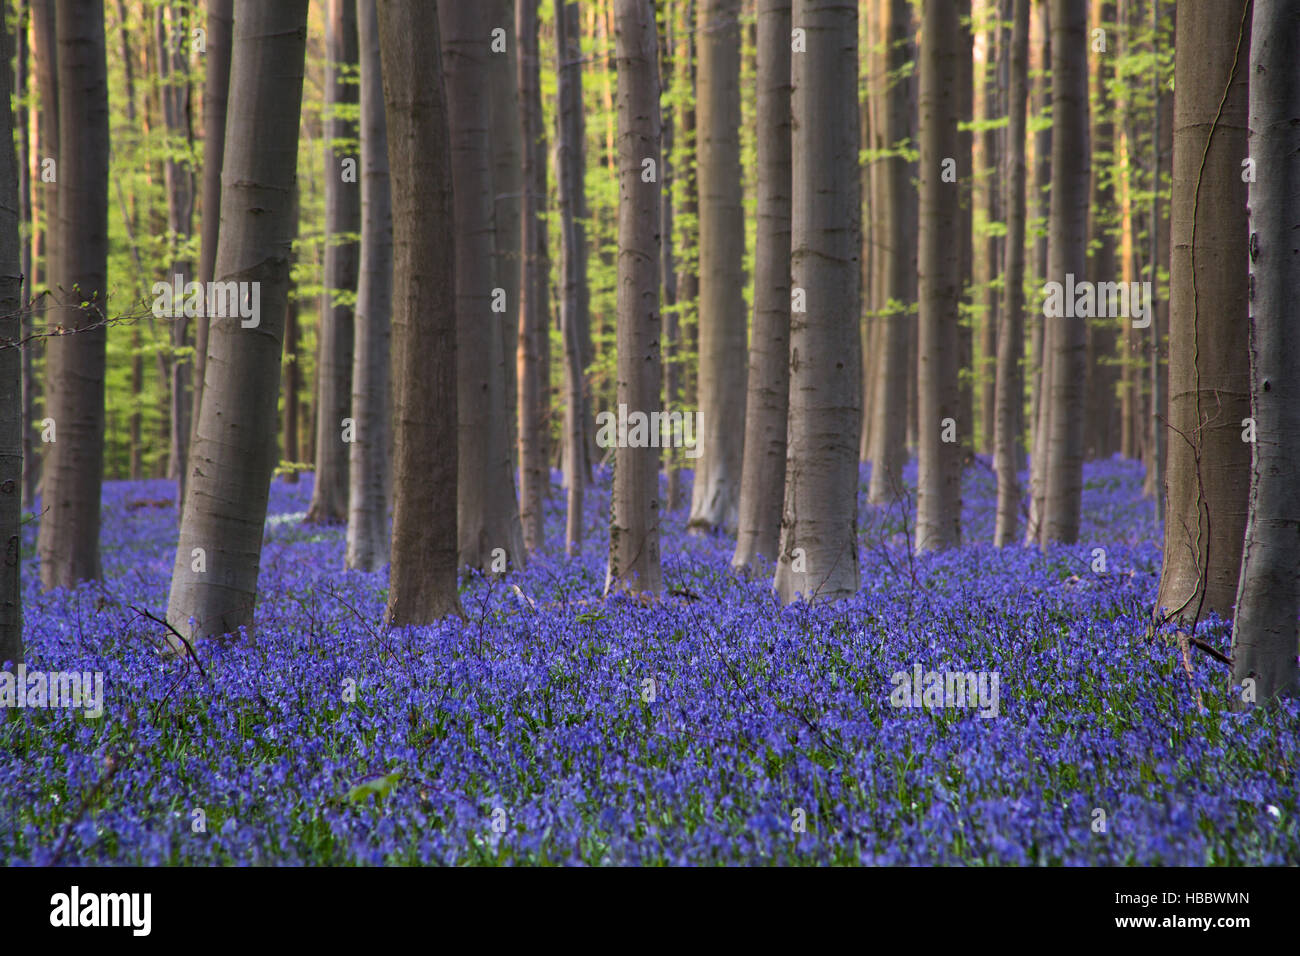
column 1157, row 334
column 424, row 546
column 990, row 146
column 889, row 454
column 1067, row 254
column 568, row 55
column 1040, row 355
column 532, row 373
column 329, row 495
column 938, row 509
column 634, row 505
column 214, row 582
column 216, row 85
column 671, row 179
column 685, row 191
column 1010, row 398
column 1209, row 358
column 11, row 377
column 819, row 549
column 966, row 231
column 487, row 513
column 68, row 544
column 715, row 496
column 28, row 262
column 1264, row 635
column 368, row 464
column 507, row 190
column 762, row 483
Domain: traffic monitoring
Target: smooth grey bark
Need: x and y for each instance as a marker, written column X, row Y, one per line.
column 715, row 496
column 1158, row 355
column 991, row 147
column 1209, row 359
column 367, row 534
column 1010, row 390
column 938, row 506
column 507, row 196
column 1067, row 254
column 684, row 326
column 568, row 56
column 487, row 513
column 27, row 258
column 216, row 85
column 762, row 484
column 819, row 547
column 423, row 572
column 329, row 495
column 634, row 504
column 1264, row 633
column 668, row 259
column 1040, row 354
column 172, row 49
column 532, row 372
column 68, row 543
column 889, row 408
column 214, row 581
column 12, row 316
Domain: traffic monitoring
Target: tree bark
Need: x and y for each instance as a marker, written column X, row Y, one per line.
column 329, row 495
column 68, row 544
column 1209, row 357
column 12, row 315
column 819, row 548
column 634, row 505
column 423, row 573
column 762, row 483
column 938, row 509
column 214, row 582
column 1067, row 254
column 568, row 55
column 715, row 496
column 1010, row 398
column 1264, row 635
column 367, row 534
column 889, row 454
column 507, row 198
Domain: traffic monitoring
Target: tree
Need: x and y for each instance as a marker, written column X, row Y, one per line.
column 329, row 496
column 819, row 548
column 767, row 406
column 423, row 573
column 11, row 379
column 1066, row 255
column 1010, row 398
column 214, row 580
column 533, row 373
column 1264, row 634
column 889, row 407
column 938, row 507
column 1208, row 466
column 367, row 535
column 216, row 86
column 68, row 543
column 568, row 56
column 488, row 516
column 715, row 496
column 634, row 507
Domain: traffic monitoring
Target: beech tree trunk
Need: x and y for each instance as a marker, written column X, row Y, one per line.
column 715, row 496
column 1264, row 635
column 11, row 378
column 507, row 198
column 214, row 581
column 819, row 547
column 889, row 433
column 568, row 55
column 368, row 463
column 68, row 543
column 1010, row 397
column 938, row 507
column 423, row 573
column 762, row 485
column 329, row 495
column 1209, row 358
column 634, row 505
column 1067, row 254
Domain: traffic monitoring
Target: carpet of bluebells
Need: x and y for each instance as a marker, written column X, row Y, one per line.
column 523, row 734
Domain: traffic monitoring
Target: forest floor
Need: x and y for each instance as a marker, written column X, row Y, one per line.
column 712, row 726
